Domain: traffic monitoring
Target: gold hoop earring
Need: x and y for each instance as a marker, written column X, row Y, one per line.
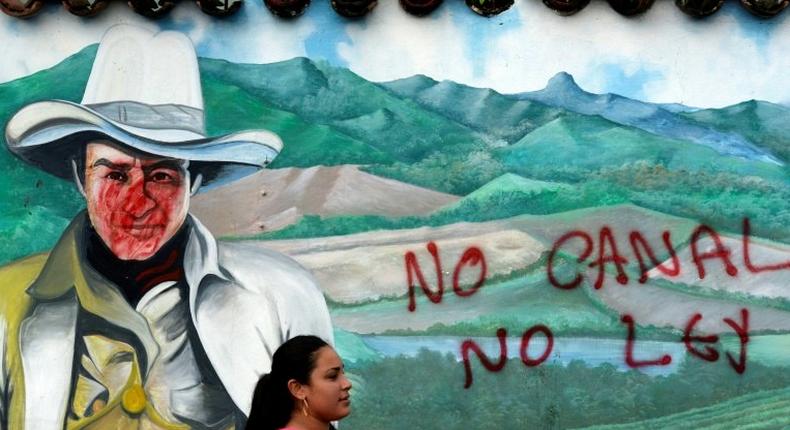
column 305, row 407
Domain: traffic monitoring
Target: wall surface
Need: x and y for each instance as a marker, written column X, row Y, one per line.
column 526, row 221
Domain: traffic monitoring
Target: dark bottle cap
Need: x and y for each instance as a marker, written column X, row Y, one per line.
column 420, row 7
column 489, row 8
column 699, row 8
column 152, row 8
column 566, row 7
column 353, row 8
column 219, row 8
column 85, row 7
column 287, row 8
column 765, row 8
column 630, row 7
column 21, row 8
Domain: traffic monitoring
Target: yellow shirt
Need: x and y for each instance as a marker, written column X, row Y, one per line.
column 116, row 389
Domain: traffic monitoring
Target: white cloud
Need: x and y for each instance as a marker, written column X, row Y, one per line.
column 254, row 35
column 43, row 41
column 391, row 44
column 671, row 57
column 696, row 62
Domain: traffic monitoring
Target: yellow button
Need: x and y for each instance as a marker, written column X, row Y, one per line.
column 133, row 400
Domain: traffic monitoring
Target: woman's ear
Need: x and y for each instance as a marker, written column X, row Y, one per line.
column 297, row 389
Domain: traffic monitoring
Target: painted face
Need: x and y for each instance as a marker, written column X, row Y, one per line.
column 136, row 203
column 328, row 392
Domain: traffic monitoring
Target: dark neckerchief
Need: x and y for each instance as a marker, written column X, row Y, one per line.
column 136, row 277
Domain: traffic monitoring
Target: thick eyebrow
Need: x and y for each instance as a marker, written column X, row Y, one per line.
column 115, row 166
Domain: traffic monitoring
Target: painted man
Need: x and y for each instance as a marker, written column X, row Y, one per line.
column 139, row 318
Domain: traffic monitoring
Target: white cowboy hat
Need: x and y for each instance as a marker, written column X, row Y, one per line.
column 143, row 93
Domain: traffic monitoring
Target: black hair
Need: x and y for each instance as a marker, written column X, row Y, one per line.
column 272, row 402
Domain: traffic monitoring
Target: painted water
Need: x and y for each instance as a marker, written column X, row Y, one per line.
column 592, row 351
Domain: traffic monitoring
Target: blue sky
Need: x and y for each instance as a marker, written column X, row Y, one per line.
column 662, row 56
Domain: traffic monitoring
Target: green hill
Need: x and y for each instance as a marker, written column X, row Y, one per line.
column 512, row 183
column 510, row 195
column 230, row 108
column 587, row 143
column 36, row 207
column 352, row 348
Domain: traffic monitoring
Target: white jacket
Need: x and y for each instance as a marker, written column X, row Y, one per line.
column 244, row 302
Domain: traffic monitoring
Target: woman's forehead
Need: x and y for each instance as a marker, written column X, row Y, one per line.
column 327, row 358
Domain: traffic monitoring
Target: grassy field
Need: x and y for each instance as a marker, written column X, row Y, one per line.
column 427, row 392
column 520, row 301
column 762, row 410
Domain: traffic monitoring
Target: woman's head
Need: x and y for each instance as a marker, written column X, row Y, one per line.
column 307, row 382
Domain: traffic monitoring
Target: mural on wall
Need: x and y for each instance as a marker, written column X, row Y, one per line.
column 551, row 232
column 126, row 322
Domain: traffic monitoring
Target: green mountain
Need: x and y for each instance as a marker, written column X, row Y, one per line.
column 230, row 108
column 336, row 97
column 498, row 116
column 443, row 136
column 583, row 143
column 766, row 124
column 612, row 164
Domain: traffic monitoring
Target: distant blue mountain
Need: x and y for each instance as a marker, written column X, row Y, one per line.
column 563, row 92
column 765, row 123
column 497, row 116
column 677, row 108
